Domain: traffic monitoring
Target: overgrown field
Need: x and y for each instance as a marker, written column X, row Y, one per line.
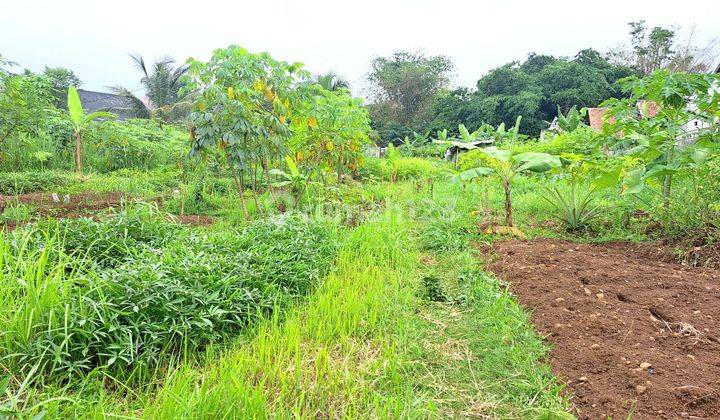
column 250, row 259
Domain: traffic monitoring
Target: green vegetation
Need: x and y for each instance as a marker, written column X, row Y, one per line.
column 249, row 258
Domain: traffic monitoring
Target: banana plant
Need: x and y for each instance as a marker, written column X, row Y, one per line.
column 466, row 141
column 81, row 122
column 572, row 120
column 295, row 180
column 506, row 165
column 513, row 134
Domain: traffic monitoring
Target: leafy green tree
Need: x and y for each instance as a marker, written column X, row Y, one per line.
column 662, row 143
column 330, row 129
column 332, row 81
column 81, row 122
column 25, row 103
column 242, row 110
column 450, row 109
column 536, row 88
column 660, row 48
column 653, row 48
column 566, row 84
column 162, row 83
column 403, row 85
column 535, row 63
column 60, row 80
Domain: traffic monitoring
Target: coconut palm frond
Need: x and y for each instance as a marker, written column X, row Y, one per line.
column 139, row 63
column 340, row 83
column 135, row 106
column 332, row 81
column 162, row 82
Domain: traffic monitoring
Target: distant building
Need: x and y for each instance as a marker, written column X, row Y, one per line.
column 101, row 101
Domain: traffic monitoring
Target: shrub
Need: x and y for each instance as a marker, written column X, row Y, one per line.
column 12, row 183
column 400, row 168
column 132, row 144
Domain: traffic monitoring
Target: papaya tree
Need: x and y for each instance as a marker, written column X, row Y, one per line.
column 242, row 108
column 506, row 165
column 80, row 122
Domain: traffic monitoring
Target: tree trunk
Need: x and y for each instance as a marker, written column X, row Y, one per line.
column 241, row 191
column 508, row 203
column 78, row 153
column 667, row 183
column 255, row 190
column 266, row 175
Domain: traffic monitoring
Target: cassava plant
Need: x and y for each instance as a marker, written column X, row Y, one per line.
column 242, row 106
column 329, row 131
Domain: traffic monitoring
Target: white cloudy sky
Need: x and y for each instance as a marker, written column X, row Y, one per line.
column 94, row 37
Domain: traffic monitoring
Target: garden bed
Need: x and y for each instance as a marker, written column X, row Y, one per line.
column 630, row 333
column 86, row 204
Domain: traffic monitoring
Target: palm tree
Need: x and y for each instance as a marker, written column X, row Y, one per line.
column 332, row 81
column 162, row 89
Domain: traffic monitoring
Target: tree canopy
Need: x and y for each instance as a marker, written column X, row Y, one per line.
column 402, row 87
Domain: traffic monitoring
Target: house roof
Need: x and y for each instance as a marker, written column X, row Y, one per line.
column 717, row 69
column 101, row 101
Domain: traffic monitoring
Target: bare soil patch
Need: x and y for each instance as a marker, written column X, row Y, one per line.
column 67, row 206
column 86, row 204
column 630, row 332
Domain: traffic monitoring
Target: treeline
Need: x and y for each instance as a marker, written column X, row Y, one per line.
column 410, row 91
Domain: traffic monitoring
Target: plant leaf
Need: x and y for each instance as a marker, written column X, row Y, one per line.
column 75, row 108
column 537, row 162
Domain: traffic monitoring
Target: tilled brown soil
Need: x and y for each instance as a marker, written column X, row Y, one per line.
column 630, row 333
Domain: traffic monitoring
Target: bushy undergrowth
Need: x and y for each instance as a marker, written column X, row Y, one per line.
column 446, row 226
column 109, row 146
column 28, row 182
column 137, row 290
column 400, row 168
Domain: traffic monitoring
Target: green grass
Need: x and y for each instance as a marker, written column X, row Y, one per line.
column 336, row 356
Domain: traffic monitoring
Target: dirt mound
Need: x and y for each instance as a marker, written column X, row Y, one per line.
column 630, row 333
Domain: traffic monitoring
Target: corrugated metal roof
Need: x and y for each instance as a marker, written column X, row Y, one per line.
column 102, row 101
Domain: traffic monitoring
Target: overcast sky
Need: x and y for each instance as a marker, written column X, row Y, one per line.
column 93, row 38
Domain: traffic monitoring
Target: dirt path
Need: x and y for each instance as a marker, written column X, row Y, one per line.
column 630, row 333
